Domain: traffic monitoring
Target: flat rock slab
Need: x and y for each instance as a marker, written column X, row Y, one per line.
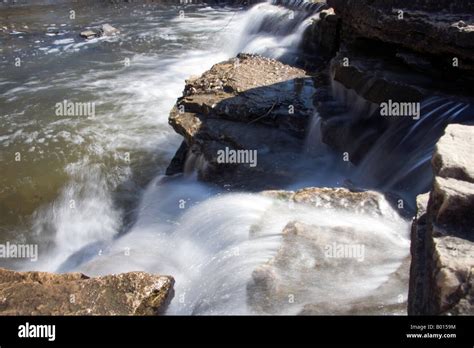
column 41, row 293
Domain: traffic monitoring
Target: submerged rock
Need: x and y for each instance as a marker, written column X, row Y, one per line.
column 350, row 258
column 364, row 202
column 104, row 30
column 442, row 249
column 41, row 293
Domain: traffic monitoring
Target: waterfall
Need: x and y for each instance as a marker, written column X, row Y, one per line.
column 400, row 159
column 213, row 241
column 210, row 249
column 275, row 28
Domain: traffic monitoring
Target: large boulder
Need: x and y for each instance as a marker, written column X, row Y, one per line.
column 442, row 249
column 246, row 104
column 41, row 293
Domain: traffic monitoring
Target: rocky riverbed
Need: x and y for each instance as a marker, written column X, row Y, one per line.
column 333, row 182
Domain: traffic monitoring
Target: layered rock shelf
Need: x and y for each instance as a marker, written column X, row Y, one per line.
column 247, row 103
column 441, row 276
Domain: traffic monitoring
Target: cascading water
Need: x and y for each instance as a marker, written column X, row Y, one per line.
column 210, row 241
column 277, row 31
column 400, row 160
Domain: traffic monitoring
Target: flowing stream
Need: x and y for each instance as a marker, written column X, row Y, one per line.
column 91, row 190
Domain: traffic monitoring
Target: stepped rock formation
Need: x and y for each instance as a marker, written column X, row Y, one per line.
column 41, row 293
column 246, row 103
column 441, row 276
column 382, row 50
column 441, row 28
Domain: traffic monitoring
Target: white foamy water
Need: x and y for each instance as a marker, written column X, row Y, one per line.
column 175, row 226
column 210, row 249
column 274, row 31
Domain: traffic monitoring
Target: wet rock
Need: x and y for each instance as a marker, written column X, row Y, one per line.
column 108, row 30
column 41, row 293
column 365, row 202
column 329, row 254
column 443, row 234
column 382, row 50
column 322, row 36
column 248, row 103
column 376, row 82
column 177, row 163
column 89, row 34
column 104, row 30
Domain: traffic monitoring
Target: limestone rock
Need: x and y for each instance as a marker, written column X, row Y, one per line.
column 89, row 34
column 442, row 28
column 104, row 30
column 41, row 293
column 248, row 103
column 364, row 202
column 442, row 249
column 454, row 154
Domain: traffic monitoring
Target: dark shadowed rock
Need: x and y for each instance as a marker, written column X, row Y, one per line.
column 322, row 37
column 41, row 293
column 425, row 27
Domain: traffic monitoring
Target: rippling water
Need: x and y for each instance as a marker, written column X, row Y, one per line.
column 90, row 190
column 101, row 163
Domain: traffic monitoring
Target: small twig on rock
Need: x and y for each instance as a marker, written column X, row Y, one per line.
column 265, row 114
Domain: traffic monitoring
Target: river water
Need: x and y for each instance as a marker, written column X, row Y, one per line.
column 90, row 190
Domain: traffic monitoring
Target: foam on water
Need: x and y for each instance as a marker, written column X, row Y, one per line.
column 181, row 227
column 210, row 249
